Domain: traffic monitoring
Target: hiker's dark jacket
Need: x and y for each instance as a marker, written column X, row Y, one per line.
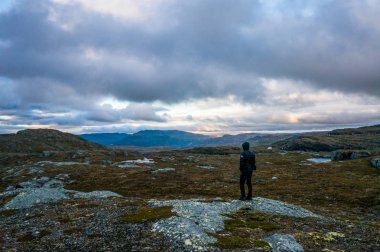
column 247, row 161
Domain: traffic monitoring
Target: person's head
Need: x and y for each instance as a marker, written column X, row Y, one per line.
column 245, row 146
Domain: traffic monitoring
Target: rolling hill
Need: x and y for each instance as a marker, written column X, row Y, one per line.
column 37, row 140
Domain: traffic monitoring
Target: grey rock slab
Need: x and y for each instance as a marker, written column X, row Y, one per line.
column 96, row 195
column 281, row 208
column 45, row 190
column 36, row 196
column 284, row 243
column 35, row 170
column 45, row 182
column 195, row 218
column 43, row 163
column 206, row 166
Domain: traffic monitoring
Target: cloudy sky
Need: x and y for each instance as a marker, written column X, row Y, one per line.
column 209, row 66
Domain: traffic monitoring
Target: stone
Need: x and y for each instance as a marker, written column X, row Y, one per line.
column 43, row 163
column 284, row 243
column 347, row 154
column 36, row 196
column 375, row 163
column 188, row 242
column 44, row 190
column 96, row 195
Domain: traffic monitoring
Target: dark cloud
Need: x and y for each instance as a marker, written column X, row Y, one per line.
column 58, row 57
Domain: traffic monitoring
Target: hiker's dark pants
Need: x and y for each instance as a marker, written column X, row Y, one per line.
column 246, row 177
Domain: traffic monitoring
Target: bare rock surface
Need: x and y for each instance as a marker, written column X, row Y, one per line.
column 196, row 218
column 32, row 197
column 95, row 195
column 284, row 243
column 46, row 190
column 43, row 163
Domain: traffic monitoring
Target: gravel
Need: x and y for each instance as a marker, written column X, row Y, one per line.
column 68, row 227
column 184, row 233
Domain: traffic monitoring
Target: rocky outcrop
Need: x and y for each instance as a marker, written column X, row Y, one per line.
column 345, row 155
column 365, row 138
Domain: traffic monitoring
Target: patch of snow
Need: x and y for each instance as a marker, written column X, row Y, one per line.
column 43, row 163
column 133, row 163
column 319, row 160
column 141, row 161
column 164, row 170
column 206, row 166
column 269, row 148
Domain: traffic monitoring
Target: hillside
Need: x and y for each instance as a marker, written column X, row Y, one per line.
column 363, row 138
column 37, row 140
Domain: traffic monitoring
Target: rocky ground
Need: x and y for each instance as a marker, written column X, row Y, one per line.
column 186, row 201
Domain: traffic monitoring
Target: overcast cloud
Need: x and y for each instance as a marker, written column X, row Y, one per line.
column 175, row 64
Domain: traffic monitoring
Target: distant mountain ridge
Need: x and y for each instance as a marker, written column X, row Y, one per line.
column 178, row 139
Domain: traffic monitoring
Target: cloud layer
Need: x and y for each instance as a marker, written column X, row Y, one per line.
column 63, row 57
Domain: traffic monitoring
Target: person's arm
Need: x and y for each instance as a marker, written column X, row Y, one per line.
column 241, row 161
column 253, row 160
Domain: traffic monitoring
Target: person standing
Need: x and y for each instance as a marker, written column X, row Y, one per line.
column 247, row 166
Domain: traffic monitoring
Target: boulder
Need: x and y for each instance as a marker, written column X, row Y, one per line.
column 348, row 154
column 284, row 243
column 375, row 163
